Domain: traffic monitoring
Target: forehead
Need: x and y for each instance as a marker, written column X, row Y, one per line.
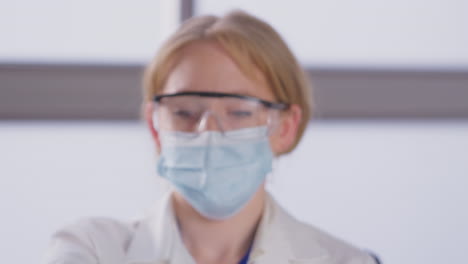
column 206, row 66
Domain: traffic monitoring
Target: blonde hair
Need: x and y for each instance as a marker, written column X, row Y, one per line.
column 251, row 43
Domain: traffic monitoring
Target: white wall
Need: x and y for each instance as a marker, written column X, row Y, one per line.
column 397, row 188
column 83, row 31
column 367, row 33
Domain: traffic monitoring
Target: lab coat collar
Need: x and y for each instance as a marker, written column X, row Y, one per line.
column 274, row 242
column 157, row 239
column 157, row 236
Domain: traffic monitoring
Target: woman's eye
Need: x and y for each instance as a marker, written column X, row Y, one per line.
column 241, row 113
column 183, row 113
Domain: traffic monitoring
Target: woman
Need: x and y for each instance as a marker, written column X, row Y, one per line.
column 223, row 97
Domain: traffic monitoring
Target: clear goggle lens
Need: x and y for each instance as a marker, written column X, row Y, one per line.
column 192, row 115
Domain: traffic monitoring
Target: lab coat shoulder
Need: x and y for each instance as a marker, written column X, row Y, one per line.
column 93, row 240
column 154, row 239
column 309, row 242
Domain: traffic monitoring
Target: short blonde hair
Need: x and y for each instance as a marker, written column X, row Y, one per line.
column 250, row 42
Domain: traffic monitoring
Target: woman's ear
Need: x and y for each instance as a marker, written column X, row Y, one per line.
column 286, row 132
column 148, row 112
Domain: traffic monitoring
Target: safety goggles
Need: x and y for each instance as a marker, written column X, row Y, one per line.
column 194, row 112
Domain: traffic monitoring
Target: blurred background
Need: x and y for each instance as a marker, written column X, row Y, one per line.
column 383, row 165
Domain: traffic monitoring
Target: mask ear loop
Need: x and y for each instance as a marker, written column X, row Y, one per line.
column 154, row 116
column 272, row 121
column 162, row 185
column 272, row 176
column 272, row 124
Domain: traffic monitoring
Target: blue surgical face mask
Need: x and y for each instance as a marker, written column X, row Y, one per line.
column 216, row 173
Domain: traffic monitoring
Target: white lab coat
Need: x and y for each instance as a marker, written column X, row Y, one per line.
column 155, row 240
